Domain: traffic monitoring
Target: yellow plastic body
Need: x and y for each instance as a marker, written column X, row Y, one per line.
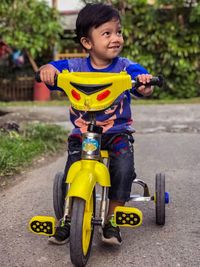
column 127, row 216
column 116, row 83
column 83, row 175
column 104, row 153
column 42, row 225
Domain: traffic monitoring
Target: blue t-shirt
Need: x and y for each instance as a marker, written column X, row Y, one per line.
column 117, row 118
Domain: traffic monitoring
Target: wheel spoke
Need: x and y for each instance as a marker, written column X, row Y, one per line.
column 87, row 225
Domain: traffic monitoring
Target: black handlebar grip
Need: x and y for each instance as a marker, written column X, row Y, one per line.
column 157, row 81
column 37, row 77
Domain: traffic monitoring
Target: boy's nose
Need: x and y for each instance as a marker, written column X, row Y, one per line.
column 116, row 38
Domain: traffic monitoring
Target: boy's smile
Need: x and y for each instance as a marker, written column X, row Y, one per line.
column 104, row 43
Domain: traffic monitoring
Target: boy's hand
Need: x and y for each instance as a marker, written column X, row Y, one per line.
column 145, row 90
column 47, row 74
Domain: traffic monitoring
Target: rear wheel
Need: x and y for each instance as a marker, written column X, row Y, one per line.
column 160, row 199
column 59, row 193
column 81, row 231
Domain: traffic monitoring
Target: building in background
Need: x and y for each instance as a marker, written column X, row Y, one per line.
column 67, row 46
column 66, row 5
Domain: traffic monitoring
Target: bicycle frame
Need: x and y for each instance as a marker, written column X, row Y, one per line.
column 83, row 175
column 91, row 92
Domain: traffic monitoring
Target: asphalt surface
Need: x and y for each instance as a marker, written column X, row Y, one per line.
column 167, row 140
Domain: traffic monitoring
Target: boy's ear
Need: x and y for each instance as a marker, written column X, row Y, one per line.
column 85, row 43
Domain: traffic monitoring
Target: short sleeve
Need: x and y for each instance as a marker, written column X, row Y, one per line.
column 134, row 70
column 60, row 64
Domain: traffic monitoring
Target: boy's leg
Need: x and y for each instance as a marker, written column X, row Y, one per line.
column 122, row 174
column 112, row 205
column 74, row 154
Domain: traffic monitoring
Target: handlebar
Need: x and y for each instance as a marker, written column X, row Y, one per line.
column 38, row 79
column 157, row 81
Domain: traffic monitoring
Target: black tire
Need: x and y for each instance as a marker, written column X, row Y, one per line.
column 160, row 199
column 78, row 257
column 59, row 193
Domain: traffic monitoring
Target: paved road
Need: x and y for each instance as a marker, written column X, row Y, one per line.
column 166, row 144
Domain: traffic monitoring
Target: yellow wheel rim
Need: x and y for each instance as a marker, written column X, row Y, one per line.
column 154, row 198
column 87, row 225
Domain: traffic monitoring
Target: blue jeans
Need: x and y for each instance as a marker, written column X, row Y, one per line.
column 121, row 153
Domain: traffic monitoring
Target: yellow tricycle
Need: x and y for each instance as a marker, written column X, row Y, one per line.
column 93, row 92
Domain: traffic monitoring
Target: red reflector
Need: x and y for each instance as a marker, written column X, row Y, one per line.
column 103, row 95
column 75, row 95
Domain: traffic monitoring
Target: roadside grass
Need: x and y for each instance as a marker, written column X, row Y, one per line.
column 18, row 150
column 65, row 102
column 148, row 101
column 35, row 103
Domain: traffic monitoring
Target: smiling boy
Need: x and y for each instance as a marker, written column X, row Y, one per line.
column 98, row 29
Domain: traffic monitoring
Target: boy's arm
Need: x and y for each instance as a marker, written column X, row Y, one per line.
column 137, row 71
column 48, row 71
column 145, row 90
column 47, row 74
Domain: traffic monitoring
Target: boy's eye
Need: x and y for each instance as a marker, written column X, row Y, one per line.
column 119, row 32
column 106, row 33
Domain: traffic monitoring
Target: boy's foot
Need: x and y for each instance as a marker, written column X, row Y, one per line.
column 61, row 235
column 111, row 234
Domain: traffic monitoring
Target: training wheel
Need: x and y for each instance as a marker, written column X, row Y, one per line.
column 161, row 198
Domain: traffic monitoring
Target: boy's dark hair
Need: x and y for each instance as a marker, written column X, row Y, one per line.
column 94, row 15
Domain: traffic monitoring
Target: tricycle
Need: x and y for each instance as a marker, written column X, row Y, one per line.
column 93, row 92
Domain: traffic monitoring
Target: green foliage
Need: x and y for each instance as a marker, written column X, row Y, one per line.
column 164, row 38
column 29, row 24
column 19, row 150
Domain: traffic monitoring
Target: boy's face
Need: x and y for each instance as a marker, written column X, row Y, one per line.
column 106, row 41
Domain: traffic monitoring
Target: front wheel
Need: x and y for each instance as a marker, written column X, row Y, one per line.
column 81, row 230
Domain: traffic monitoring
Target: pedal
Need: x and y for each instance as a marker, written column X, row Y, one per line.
column 42, row 225
column 127, row 216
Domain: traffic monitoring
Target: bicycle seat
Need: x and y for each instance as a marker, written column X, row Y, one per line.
column 93, row 91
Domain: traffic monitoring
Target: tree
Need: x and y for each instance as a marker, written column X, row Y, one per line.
column 29, row 25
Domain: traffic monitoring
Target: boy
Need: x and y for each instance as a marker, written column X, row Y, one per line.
column 98, row 29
